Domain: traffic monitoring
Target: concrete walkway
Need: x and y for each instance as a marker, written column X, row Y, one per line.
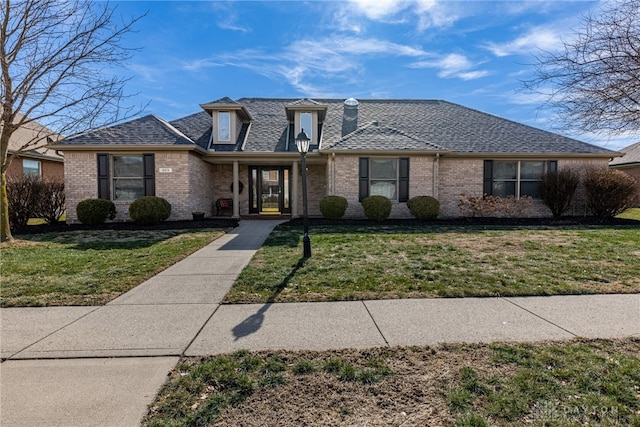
column 102, row 366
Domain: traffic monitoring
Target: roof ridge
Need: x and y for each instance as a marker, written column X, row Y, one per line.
column 172, row 128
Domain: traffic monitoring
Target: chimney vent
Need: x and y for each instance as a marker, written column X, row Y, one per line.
column 350, row 116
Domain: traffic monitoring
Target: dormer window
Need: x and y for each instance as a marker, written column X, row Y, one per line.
column 307, row 114
column 224, row 126
column 229, row 117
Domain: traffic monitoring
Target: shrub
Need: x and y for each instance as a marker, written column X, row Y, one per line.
column 22, row 196
column 49, row 204
column 34, row 197
column 424, row 207
column 149, row 210
column 491, row 206
column 609, row 191
column 95, row 211
column 333, row 207
column 376, row 208
column 557, row 189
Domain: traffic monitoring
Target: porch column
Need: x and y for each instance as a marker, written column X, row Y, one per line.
column 236, row 190
column 294, row 189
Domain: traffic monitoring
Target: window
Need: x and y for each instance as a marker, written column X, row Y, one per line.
column 224, row 126
column 306, row 123
column 516, row 178
column 31, row 167
column 388, row 177
column 128, row 177
column 125, row 177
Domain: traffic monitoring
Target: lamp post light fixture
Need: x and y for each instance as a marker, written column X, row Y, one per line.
column 302, row 142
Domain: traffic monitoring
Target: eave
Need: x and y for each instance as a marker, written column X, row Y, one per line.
column 128, row 148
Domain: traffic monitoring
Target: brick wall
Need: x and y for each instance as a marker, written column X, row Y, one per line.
column 457, row 176
column 177, row 186
column 343, row 176
column 49, row 169
column 316, row 188
column 80, row 180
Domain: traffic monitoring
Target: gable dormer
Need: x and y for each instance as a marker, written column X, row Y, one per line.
column 309, row 115
column 228, row 117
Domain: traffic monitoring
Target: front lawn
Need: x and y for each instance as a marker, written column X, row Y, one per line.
column 89, row 267
column 578, row 382
column 352, row 262
column 632, row 213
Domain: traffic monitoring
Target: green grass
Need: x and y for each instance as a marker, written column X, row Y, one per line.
column 579, row 383
column 355, row 262
column 88, row 268
column 633, row 213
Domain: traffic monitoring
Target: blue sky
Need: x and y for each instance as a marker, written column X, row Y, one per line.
column 475, row 53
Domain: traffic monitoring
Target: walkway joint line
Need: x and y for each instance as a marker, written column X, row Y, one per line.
column 199, row 331
column 538, row 316
column 375, row 324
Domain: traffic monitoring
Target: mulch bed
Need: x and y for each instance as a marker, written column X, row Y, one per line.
column 206, row 223
column 231, row 223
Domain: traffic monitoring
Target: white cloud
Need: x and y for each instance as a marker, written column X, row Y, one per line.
column 340, row 59
column 537, row 38
column 428, row 13
column 380, row 9
column 453, row 65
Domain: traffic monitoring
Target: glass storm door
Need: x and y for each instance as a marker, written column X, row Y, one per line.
column 270, row 189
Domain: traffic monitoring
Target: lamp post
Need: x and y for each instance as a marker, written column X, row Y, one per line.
column 302, row 142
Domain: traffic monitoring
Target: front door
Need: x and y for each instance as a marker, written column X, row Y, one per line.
column 270, row 190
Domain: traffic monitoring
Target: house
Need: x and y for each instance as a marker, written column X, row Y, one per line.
column 245, row 150
column 629, row 162
column 31, row 156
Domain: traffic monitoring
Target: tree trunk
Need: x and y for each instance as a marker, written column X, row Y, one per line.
column 5, row 230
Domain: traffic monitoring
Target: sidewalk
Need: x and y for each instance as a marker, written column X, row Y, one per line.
column 103, row 365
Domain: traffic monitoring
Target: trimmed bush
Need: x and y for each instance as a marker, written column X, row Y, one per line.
column 609, row 191
column 376, row 208
column 424, row 207
column 333, row 207
column 557, row 189
column 149, row 210
column 95, row 211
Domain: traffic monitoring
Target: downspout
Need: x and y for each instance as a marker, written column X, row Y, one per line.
column 434, row 178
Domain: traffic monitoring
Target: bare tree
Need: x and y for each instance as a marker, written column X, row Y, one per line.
column 594, row 82
column 58, row 61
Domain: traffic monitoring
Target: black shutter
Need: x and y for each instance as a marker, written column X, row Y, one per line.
column 103, row 176
column 403, row 187
column 552, row 166
column 488, row 177
column 363, row 177
column 149, row 175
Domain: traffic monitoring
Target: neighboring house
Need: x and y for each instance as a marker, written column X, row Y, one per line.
column 36, row 158
column 629, row 163
column 245, row 150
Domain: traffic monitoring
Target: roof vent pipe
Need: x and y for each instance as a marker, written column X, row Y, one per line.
column 350, row 116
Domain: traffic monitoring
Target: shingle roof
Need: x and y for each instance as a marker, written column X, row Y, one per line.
column 35, row 137
column 373, row 136
column 402, row 124
column 631, row 156
column 147, row 130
